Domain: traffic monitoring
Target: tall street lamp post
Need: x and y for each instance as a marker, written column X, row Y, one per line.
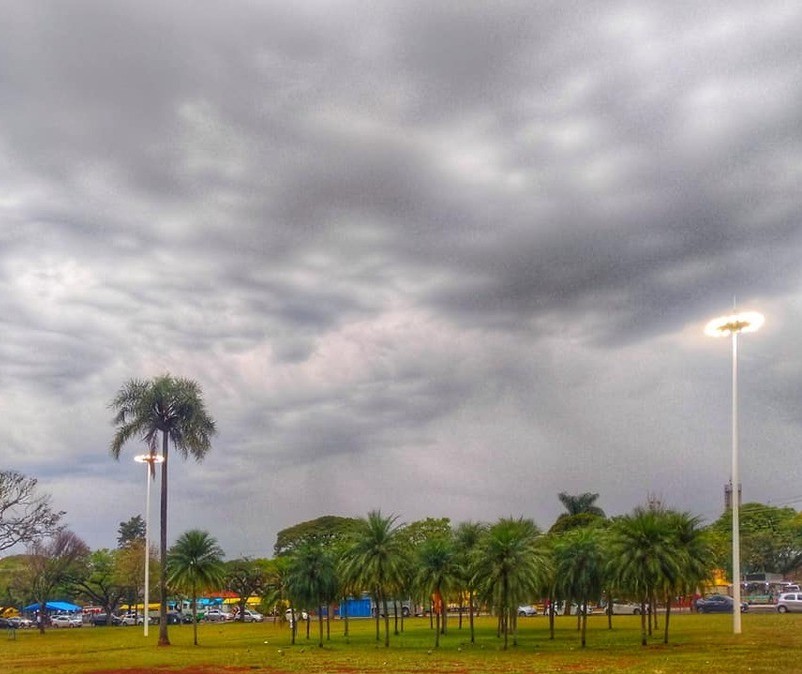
column 730, row 326
column 150, row 460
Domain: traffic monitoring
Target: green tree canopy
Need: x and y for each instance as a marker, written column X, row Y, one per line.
column 326, row 530
column 195, row 563
column 130, row 531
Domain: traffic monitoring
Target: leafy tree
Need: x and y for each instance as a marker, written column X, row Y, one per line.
column 326, row 531
column 100, row 580
column 771, row 539
column 420, row 531
column 173, row 408
column 25, row 514
column 195, row 563
column 131, row 531
column 245, row 577
column 509, row 569
column 580, row 567
column 375, row 560
column 51, row 563
column 437, row 576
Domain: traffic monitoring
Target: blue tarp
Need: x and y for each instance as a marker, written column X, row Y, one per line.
column 54, row 606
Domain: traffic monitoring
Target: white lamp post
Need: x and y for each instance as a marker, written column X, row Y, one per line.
column 150, row 460
column 730, row 326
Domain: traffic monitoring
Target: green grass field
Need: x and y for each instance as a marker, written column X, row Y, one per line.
column 769, row 643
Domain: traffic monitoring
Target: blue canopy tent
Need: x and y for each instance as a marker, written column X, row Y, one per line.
column 54, row 606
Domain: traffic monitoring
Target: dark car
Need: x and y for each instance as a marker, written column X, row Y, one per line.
column 101, row 620
column 718, row 603
column 177, row 618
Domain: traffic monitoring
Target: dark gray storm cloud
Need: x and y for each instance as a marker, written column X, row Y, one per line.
column 443, row 259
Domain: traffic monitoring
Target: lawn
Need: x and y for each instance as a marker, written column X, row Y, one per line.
column 769, row 643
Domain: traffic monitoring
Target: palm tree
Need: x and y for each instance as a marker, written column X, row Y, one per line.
column 312, row 581
column 437, row 576
column 195, row 563
column 580, row 561
column 580, row 504
column 509, row 568
column 644, row 557
column 374, row 560
column 694, row 559
column 175, row 408
column 466, row 537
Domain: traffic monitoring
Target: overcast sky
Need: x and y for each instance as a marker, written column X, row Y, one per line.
column 436, row 258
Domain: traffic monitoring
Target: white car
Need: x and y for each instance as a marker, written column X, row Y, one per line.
column 789, row 601
column 252, row 616
column 626, row 608
column 130, row 619
column 527, row 611
column 215, row 615
column 66, row 621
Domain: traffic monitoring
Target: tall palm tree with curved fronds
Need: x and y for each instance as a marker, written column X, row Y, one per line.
column 509, row 569
column 374, row 560
column 195, row 563
column 172, row 408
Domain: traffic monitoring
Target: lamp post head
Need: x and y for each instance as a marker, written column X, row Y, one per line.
column 149, row 458
column 726, row 326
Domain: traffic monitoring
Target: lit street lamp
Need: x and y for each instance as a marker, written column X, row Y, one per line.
column 730, row 326
column 151, row 460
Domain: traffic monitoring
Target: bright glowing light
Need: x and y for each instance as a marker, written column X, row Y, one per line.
column 149, row 458
column 726, row 326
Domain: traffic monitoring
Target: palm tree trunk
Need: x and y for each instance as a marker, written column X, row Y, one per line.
column 470, row 615
column 584, row 612
column 386, row 623
column 194, row 614
column 643, row 634
column 164, row 640
column 668, row 617
column 377, row 601
column 320, row 626
column 437, row 631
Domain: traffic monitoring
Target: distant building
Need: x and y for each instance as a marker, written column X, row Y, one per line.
column 728, row 496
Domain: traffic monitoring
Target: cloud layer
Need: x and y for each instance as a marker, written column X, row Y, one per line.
column 441, row 260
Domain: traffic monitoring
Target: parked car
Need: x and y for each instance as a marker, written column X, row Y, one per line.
column 178, row 618
column 249, row 616
column 66, row 621
column 101, row 619
column 216, row 615
column 789, row 601
column 131, row 619
column 527, row 611
column 19, row 622
column 718, row 603
column 625, row 608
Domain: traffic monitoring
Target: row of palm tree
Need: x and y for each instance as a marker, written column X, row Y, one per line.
column 650, row 556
